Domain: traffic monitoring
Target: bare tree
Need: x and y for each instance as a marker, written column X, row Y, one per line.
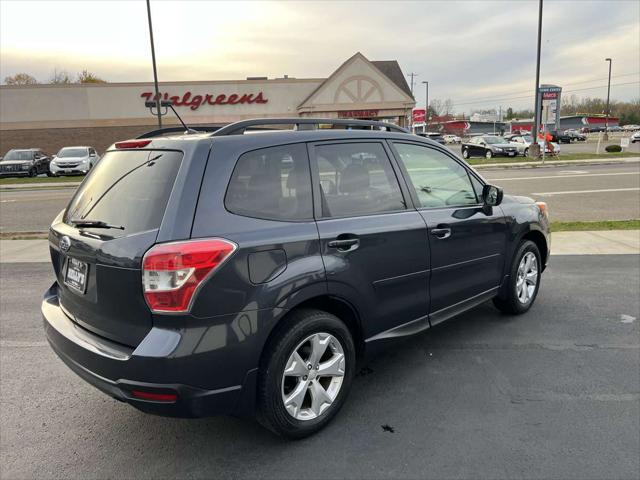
column 60, row 77
column 441, row 107
column 20, row 79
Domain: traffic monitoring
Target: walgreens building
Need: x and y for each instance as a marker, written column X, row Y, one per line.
column 53, row 116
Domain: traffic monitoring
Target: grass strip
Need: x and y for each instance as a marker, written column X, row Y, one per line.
column 595, row 225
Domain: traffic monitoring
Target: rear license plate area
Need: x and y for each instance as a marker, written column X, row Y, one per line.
column 75, row 275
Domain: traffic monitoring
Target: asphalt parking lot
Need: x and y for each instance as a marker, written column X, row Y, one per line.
column 554, row 393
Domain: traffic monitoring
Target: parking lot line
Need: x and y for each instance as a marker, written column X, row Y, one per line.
column 568, row 176
column 604, row 190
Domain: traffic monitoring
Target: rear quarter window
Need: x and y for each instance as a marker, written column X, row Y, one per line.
column 128, row 189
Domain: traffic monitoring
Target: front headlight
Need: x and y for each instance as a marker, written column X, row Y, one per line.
column 497, row 149
column 543, row 208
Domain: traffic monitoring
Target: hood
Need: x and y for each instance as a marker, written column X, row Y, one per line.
column 517, row 199
column 502, row 145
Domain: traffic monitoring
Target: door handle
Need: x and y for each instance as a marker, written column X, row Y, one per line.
column 441, row 233
column 344, row 245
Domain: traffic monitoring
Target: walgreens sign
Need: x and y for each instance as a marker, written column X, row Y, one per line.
column 194, row 102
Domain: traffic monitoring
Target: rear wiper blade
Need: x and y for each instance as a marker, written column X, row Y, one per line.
column 80, row 223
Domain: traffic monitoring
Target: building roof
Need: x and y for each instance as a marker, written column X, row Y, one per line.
column 391, row 68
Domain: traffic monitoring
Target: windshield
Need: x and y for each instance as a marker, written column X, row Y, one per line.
column 18, row 155
column 72, row 152
column 128, row 189
column 528, row 138
column 494, row 140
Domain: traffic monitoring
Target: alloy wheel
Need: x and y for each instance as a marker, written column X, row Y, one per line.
column 313, row 376
column 527, row 278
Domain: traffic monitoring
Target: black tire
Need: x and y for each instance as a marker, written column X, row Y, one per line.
column 271, row 411
column 488, row 154
column 526, row 152
column 508, row 302
column 33, row 173
column 465, row 153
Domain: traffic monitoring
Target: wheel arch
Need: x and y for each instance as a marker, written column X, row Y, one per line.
column 335, row 305
column 537, row 237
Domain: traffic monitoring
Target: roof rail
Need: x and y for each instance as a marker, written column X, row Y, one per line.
column 238, row 128
column 161, row 131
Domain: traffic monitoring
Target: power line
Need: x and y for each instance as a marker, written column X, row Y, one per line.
column 506, row 95
column 486, row 100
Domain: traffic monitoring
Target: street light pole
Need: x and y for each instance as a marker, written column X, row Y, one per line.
column 606, row 123
column 426, row 104
column 412, row 75
column 534, row 150
column 155, row 71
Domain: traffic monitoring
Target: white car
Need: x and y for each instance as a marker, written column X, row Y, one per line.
column 452, row 139
column 523, row 142
column 73, row 161
column 635, row 137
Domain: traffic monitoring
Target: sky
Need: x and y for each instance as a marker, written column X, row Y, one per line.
column 480, row 54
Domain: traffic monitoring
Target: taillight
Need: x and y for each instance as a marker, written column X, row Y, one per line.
column 173, row 272
column 133, row 144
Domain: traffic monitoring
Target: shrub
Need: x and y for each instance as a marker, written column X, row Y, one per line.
column 613, row 148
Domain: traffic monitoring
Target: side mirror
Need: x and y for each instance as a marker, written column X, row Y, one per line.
column 492, row 195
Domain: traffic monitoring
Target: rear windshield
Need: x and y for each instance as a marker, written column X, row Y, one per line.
column 129, row 189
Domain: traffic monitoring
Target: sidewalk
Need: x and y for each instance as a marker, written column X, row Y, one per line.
column 606, row 242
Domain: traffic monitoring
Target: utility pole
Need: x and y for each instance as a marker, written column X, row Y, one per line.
column 155, row 71
column 534, row 150
column 606, row 122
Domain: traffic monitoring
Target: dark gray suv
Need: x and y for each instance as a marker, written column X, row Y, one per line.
column 247, row 274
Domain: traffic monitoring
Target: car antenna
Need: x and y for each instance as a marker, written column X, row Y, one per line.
column 168, row 104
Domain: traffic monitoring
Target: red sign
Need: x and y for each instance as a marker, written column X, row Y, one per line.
column 194, row 102
column 358, row 113
column 419, row 115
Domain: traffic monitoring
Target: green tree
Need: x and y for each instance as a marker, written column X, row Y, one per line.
column 87, row 77
column 20, row 79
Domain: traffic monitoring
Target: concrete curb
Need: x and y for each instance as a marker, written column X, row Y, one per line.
column 605, row 242
column 39, row 186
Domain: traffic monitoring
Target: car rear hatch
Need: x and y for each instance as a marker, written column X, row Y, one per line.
column 98, row 265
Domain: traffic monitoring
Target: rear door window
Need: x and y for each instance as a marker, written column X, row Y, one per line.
column 128, row 189
column 356, row 179
column 272, row 183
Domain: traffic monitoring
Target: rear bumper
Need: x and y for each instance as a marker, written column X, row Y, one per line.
column 118, row 370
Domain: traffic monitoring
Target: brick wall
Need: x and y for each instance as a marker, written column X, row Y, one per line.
column 53, row 139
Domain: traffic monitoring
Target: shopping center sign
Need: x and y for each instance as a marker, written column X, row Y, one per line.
column 194, row 102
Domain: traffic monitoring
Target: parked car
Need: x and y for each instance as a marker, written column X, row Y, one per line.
column 448, row 138
column 523, row 142
column 224, row 273
column 630, row 127
column 74, row 161
column 28, row 162
column 614, row 128
column 435, row 136
column 635, row 137
column 488, row 146
column 575, row 135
